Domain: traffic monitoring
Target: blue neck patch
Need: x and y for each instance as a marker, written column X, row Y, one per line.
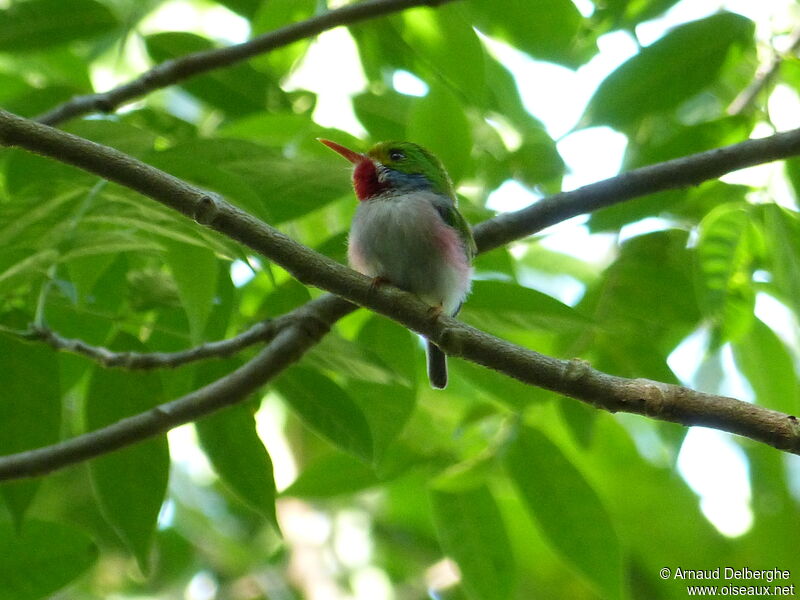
column 406, row 182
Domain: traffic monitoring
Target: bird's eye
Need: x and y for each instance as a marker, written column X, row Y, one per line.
column 396, row 154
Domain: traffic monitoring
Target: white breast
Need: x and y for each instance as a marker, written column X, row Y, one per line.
column 404, row 239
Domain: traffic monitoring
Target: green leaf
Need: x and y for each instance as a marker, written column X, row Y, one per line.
column 31, row 174
column 675, row 205
column 384, row 115
column 579, row 418
column 676, row 141
column 637, row 12
column 125, row 138
column 567, row 509
column 505, row 98
column 151, row 289
column 284, row 298
column 673, row 69
column 170, row 128
column 768, row 482
column 273, row 15
column 175, row 558
column 195, row 272
column 646, row 298
column 40, row 100
column 129, row 484
column 274, row 130
column 537, row 161
column 327, row 409
column 632, row 485
column 230, row 441
column 225, row 301
column 438, row 122
column 503, row 305
column 278, row 13
column 85, row 271
column 261, row 181
column 546, row 29
column 395, row 345
column 724, row 269
column 467, row 474
column 348, row 359
column 43, row 23
column 765, row 361
column 445, row 42
column 332, row 475
column 121, row 217
column 473, row 534
column 387, row 409
column 237, row 89
column 792, row 170
column 12, row 87
column 246, row 8
column 382, row 49
column 626, row 14
column 552, row 262
column 782, row 234
column 30, row 410
column 60, row 67
column 41, row 558
column 682, row 140
column 22, row 265
column 497, row 263
column 505, row 389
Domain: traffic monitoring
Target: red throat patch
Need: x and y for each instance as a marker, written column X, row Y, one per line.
column 365, row 180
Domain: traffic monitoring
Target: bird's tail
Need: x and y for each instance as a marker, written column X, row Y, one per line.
column 437, row 366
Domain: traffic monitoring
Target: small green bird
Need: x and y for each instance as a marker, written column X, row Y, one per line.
column 408, row 231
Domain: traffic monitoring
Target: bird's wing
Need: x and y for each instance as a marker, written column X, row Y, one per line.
column 450, row 215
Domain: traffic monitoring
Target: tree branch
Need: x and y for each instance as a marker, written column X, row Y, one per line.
column 173, row 71
column 495, row 232
column 572, row 378
column 662, row 401
column 680, row 172
column 263, row 331
column 306, row 327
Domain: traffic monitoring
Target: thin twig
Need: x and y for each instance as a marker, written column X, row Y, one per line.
column 309, row 323
column 263, row 331
column 173, row 71
column 748, row 95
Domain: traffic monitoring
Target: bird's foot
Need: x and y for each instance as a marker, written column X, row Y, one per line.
column 377, row 282
column 434, row 312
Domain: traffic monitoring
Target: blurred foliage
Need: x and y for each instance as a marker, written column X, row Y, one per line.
column 533, row 496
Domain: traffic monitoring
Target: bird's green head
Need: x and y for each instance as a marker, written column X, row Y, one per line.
column 390, row 167
column 412, row 160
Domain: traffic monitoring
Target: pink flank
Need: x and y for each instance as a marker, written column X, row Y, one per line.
column 454, row 252
column 356, row 258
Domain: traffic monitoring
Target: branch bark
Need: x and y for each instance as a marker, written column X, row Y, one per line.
column 680, row 172
column 305, row 328
column 263, row 331
column 173, row 71
column 573, row 378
